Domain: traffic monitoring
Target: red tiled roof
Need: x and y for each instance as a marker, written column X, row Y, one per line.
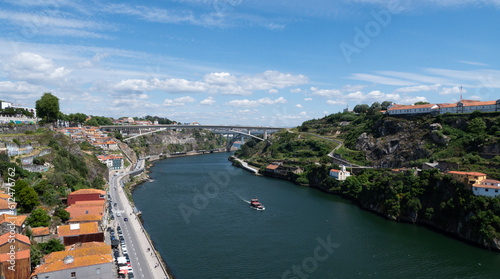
column 18, row 219
column 85, row 245
column 78, row 262
column 399, row 107
column 100, row 202
column 19, row 255
column 4, row 204
column 86, row 218
column 335, row 170
column 470, row 103
column 467, row 173
column 492, row 181
column 88, row 191
column 40, row 231
column 272, row 167
column 19, row 237
column 75, row 211
column 83, row 228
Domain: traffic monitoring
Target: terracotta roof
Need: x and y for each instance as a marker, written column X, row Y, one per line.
column 335, row 170
column 75, row 211
column 88, row 191
column 78, row 262
column 399, row 107
column 24, row 254
column 470, row 103
column 85, row 245
column 492, row 181
column 4, row 204
column 5, row 196
column 84, row 228
column 86, row 218
column 486, row 186
column 446, row 105
column 19, row 237
column 78, row 253
column 40, row 231
column 18, row 219
column 473, row 173
column 272, row 167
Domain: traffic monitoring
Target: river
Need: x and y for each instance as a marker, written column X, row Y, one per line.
column 197, row 214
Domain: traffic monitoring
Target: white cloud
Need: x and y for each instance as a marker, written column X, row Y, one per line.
column 473, row 63
column 179, row 101
column 328, row 93
column 475, row 98
column 296, row 90
column 254, row 103
column 273, row 91
column 451, row 90
column 33, row 67
column 208, row 101
column 418, row 88
column 308, row 99
column 337, row 102
column 411, row 100
column 381, row 79
column 299, row 106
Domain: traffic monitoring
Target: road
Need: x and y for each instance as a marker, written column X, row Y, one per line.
column 143, row 262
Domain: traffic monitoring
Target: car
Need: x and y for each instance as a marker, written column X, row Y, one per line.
column 126, row 219
column 115, row 204
column 118, row 214
column 113, row 238
column 109, row 229
column 112, row 217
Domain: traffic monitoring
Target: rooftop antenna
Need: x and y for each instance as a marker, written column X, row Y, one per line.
column 460, row 92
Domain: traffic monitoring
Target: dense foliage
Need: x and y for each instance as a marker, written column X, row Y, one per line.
column 47, row 107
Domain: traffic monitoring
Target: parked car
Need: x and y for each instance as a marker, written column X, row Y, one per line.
column 126, row 219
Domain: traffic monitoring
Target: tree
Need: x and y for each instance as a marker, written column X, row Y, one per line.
column 376, row 107
column 38, row 218
column 18, row 187
column 35, row 256
column 476, row 126
column 78, row 117
column 361, row 108
column 118, row 135
column 28, row 199
column 62, row 213
column 421, row 103
column 385, row 105
column 48, row 107
column 53, row 245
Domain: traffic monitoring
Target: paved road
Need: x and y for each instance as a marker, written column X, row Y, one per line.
column 143, row 263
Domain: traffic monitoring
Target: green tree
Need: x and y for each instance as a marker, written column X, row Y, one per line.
column 92, row 122
column 385, row 105
column 18, row 187
column 118, row 135
column 38, row 218
column 78, row 117
column 376, row 107
column 361, row 108
column 41, row 187
column 53, row 245
column 47, row 107
column 28, row 199
column 476, row 126
column 62, row 213
column 421, row 103
column 35, row 255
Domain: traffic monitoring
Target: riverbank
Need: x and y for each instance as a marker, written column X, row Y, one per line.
column 434, row 204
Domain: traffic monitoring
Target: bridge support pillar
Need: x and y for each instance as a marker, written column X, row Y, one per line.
column 242, row 140
column 265, row 134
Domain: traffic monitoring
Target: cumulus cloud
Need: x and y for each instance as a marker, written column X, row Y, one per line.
column 418, row 88
column 296, row 90
column 451, row 90
column 178, row 101
column 328, row 93
column 308, row 99
column 29, row 66
column 255, row 103
column 208, row 101
column 273, row 91
column 299, row 106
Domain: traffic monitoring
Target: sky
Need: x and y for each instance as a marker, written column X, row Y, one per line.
column 246, row 62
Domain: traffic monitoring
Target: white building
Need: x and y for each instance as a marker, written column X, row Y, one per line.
column 487, row 187
column 412, row 109
column 341, row 174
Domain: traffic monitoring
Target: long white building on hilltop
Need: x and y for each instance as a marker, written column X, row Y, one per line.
column 462, row 106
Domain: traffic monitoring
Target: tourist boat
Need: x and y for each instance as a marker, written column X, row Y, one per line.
column 255, row 204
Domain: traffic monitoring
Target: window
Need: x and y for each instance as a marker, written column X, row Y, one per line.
column 496, row 191
column 73, row 274
column 98, row 271
column 486, row 190
column 101, row 196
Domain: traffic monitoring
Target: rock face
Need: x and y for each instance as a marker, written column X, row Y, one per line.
column 394, row 144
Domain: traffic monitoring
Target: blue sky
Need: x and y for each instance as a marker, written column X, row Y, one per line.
column 255, row 62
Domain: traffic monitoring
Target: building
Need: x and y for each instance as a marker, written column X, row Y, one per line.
column 16, row 242
column 84, row 261
column 341, row 174
column 8, row 207
column 113, row 162
column 86, row 195
column 467, row 178
column 487, row 187
column 10, row 223
column 40, row 235
column 412, row 109
column 22, row 265
column 73, row 233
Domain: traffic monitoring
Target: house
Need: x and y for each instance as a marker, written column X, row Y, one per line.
column 86, row 218
column 93, row 261
column 86, row 195
column 111, row 145
column 341, row 174
column 18, row 241
column 430, row 166
column 8, row 207
column 113, row 162
column 10, row 223
column 73, row 233
column 467, row 178
column 22, row 264
column 40, row 235
column 406, row 171
column 487, row 187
